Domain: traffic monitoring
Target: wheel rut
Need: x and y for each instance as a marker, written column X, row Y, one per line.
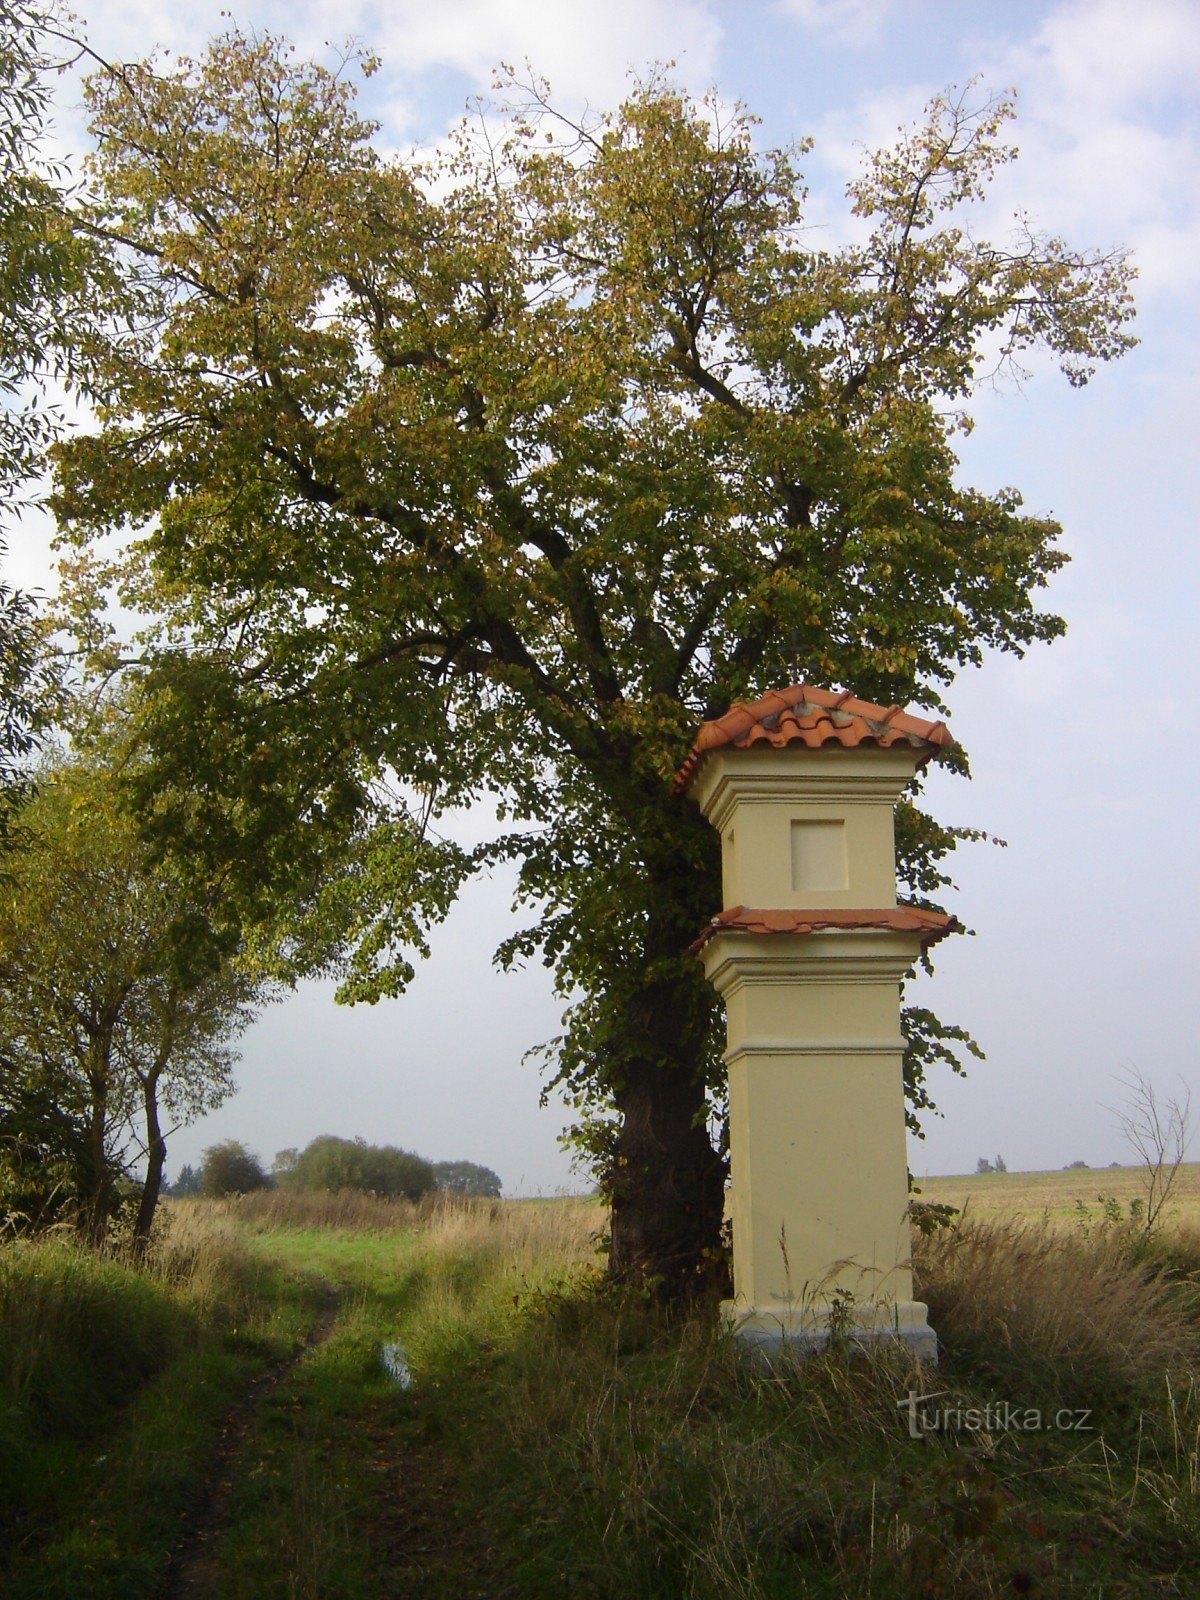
column 194, row 1571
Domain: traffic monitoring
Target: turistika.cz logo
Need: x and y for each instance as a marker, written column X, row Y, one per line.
column 998, row 1416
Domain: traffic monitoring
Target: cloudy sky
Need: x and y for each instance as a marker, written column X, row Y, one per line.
column 1085, row 955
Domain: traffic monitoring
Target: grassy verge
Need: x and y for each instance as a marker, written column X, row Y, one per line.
column 115, row 1381
column 560, row 1439
column 610, row 1453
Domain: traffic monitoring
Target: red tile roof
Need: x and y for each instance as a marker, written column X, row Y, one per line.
column 812, row 717
column 931, row 925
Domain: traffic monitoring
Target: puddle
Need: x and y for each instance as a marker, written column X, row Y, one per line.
column 396, row 1366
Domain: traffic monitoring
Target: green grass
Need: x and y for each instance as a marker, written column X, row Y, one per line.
column 114, row 1383
column 610, row 1453
column 562, row 1439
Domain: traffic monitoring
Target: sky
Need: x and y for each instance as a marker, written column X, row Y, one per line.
column 1085, row 952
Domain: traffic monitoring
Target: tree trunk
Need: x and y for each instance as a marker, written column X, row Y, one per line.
column 96, row 1189
column 156, row 1155
column 668, row 1189
column 666, row 1182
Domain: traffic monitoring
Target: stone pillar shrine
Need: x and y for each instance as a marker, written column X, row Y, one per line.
column 808, row 956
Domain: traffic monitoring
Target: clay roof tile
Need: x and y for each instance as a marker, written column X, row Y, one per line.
column 804, row 714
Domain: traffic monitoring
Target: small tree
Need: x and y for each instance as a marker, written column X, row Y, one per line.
column 186, row 1185
column 229, row 1168
column 466, row 1177
column 1000, row 1165
column 984, row 1165
column 115, row 1003
column 284, row 1163
column 1158, row 1131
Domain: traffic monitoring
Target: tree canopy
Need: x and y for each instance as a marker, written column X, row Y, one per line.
column 112, row 1010
column 467, row 1177
column 41, row 268
column 328, row 1162
column 497, row 471
column 229, row 1168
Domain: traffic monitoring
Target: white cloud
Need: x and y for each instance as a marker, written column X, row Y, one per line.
column 1105, row 138
column 1107, row 56
column 584, row 48
column 848, row 22
column 1110, row 154
column 587, row 50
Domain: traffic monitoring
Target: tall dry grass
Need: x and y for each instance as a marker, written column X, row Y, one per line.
column 534, row 1234
column 203, row 1256
column 449, row 1220
column 1077, row 1313
column 268, row 1210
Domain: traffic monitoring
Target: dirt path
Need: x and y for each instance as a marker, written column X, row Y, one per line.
column 193, row 1571
column 425, row 1545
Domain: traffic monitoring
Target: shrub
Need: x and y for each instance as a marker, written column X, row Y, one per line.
column 230, row 1168
column 329, row 1163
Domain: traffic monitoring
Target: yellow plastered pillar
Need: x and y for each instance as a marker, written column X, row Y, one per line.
column 817, row 1134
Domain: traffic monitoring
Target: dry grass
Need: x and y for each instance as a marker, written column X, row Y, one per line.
column 515, row 1233
column 1079, row 1309
column 525, row 1229
column 266, row 1210
column 203, row 1255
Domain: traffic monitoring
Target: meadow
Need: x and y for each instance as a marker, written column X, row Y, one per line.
column 222, row 1421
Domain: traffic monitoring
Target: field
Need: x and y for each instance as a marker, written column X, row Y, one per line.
column 303, row 1397
column 1059, row 1195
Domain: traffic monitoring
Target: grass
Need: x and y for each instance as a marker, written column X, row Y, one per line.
column 608, row 1452
column 115, row 1380
column 266, row 1210
column 563, row 1439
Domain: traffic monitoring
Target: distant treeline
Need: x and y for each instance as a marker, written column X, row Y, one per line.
column 330, row 1163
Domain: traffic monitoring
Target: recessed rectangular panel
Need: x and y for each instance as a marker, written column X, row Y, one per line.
column 819, row 855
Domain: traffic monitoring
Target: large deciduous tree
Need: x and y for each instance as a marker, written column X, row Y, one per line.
column 499, row 470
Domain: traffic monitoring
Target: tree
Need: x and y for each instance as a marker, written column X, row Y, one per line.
column 41, row 269
column 115, row 1004
column 1158, row 1131
column 467, row 1177
column 984, row 1166
column 499, row 471
column 186, row 1185
column 229, row 1168
column 284, row 1163
column 332, row 1163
